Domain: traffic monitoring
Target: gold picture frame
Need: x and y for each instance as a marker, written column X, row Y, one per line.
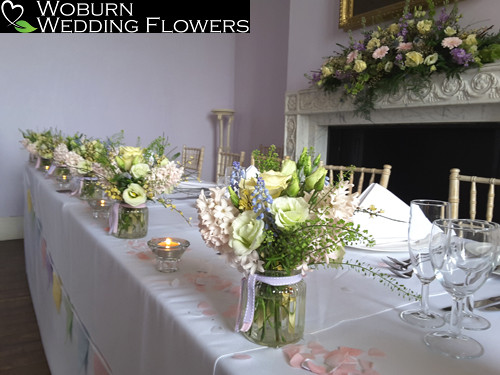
column 353, row 12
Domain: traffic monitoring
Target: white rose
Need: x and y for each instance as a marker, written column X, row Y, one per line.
column 134, row 195
column 139, row 170
column 247, row 233
column 289, row 212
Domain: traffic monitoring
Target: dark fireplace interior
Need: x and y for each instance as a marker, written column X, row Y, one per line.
column 422, row 156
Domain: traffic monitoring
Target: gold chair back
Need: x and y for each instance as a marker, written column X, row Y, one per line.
column 359, row 174
column 226, row 159
column 192, row 160
column 454, row 193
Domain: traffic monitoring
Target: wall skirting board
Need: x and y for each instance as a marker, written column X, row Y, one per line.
column 11, row 228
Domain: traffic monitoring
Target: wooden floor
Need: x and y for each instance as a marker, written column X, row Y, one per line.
column 21, row 351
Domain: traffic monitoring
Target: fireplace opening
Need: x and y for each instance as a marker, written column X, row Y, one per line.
column 422, row 156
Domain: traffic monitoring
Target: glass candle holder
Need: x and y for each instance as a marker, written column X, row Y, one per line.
column 63, row 177
column 100, row 206
column 168, row 252
column 44, row 165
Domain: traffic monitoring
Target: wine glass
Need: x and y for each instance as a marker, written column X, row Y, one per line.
column 462, row 254
column 422, row 213
column 470, row 320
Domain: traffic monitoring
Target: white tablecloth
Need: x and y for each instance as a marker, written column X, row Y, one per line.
column 102, row 307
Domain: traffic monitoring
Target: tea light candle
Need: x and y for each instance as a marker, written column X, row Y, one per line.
column 168, row 243
column 102, row 203
column 168, row 252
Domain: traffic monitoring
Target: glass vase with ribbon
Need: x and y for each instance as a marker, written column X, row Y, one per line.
column 87, row 187
column 126, row 221
column 272, row 308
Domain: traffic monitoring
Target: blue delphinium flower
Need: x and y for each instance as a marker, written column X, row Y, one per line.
column 261, row 199
column 237, row 174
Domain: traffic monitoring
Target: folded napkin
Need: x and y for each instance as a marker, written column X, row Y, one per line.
column 195, row 184
column 391, row 225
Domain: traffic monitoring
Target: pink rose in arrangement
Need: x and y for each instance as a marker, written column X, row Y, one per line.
column 405, row 46
column 451, row 42
column 352, row 56
column 380, row 52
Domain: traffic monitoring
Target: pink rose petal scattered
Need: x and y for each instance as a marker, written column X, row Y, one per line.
column 143, row 256
column 241, row 356
column 341, row 361
column 296, row 360
column 209, row 312
column 313, row 367
column 374, row 352
column 291, row 350
column 231, row 312
column 365, row 364
column 203, row 305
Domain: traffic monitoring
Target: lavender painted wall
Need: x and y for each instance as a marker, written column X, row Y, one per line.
column 261, row 63
column 147, row 85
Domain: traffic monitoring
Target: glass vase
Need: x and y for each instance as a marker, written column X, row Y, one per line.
column 279, row 312
column 132, row 222
column 44, row 164
column 89, row 188
column 63, row 177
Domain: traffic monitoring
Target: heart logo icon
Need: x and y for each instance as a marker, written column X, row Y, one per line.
column 11, row 13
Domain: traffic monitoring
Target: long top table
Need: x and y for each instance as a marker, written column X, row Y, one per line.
column 102, row 308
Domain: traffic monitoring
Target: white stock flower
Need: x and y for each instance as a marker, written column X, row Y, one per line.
column 216, row 215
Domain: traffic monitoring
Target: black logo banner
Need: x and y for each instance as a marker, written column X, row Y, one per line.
column 56, row 16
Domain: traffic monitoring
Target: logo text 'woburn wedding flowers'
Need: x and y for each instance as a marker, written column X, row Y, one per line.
column 83, row 17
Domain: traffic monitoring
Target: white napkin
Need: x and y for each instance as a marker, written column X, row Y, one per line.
column 251, row 172
column 388, row 227
column 195, row 184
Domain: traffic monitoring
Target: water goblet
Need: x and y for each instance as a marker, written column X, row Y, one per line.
column 462, row 254
column 422, row 213
column 470, row 320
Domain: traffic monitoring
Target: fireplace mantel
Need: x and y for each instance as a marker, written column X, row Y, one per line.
column 475, row 97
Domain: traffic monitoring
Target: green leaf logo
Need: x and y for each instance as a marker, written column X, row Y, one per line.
column 24, row 27
column 13, row 13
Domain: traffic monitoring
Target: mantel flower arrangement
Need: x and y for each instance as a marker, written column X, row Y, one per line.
column 281, row 223
column 405, row 54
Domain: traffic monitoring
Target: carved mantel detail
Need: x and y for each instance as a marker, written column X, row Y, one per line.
column 475, row 97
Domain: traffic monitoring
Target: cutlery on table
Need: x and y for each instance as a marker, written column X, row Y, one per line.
column 491, row 303
column 495, row 307
column 400, row 268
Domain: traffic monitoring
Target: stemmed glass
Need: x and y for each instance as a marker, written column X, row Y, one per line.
column 422, row 213
column 470, row 320
column 463, row 254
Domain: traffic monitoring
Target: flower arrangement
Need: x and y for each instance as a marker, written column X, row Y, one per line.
column 41, row 144
column 405, row 54
column 79, row 153
column 133, row 175
column 280, row 220
column 285, row 222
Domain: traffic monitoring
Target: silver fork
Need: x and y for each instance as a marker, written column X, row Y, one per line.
column 402, row 269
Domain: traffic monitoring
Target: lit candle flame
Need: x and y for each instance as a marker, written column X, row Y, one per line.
column 168, row 243
column 103, row 203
